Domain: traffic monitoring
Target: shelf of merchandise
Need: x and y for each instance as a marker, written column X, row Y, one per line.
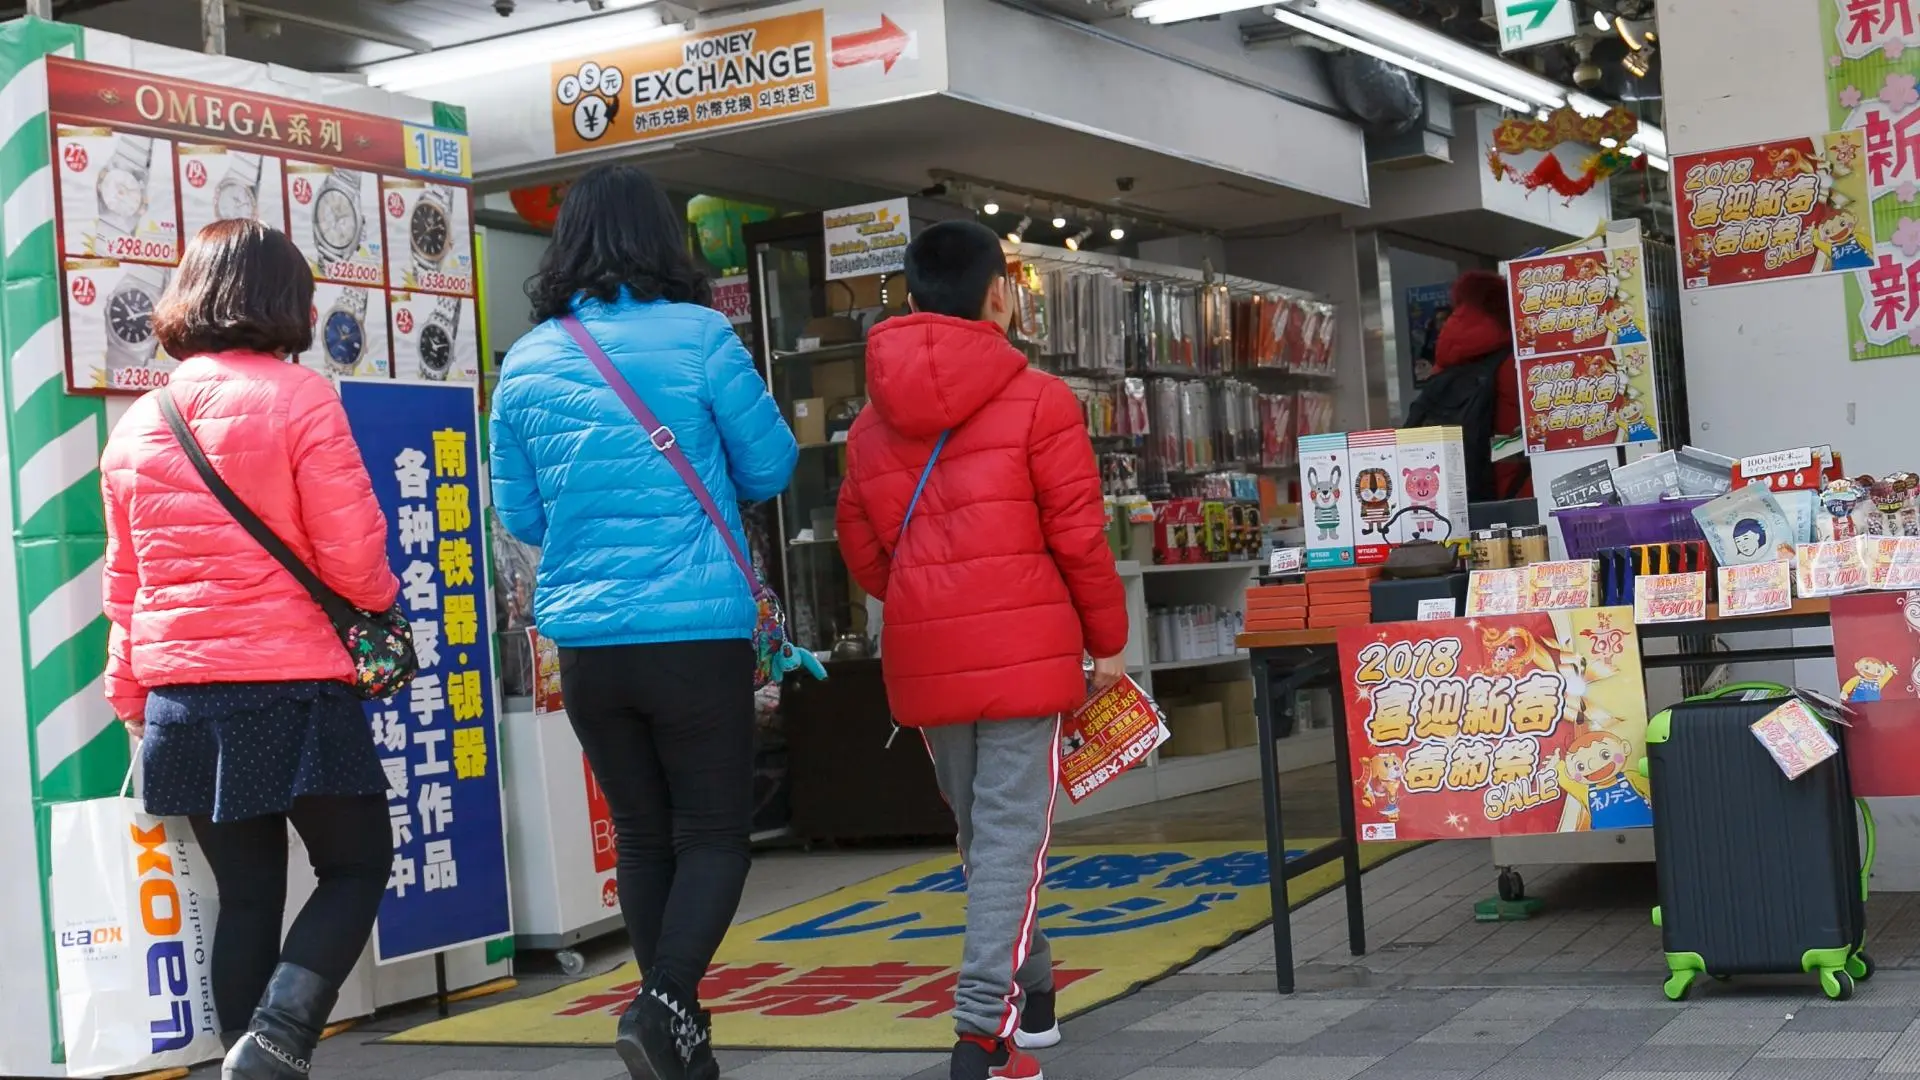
column 1171, row 777
column 1235, row 657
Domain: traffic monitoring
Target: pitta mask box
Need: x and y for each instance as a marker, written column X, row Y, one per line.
column 1326, row 489
column 1374, row 462
column 1433, row 473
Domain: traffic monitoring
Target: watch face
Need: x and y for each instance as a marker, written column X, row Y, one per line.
column 436, row 350
column 344, row 340
column 336, row 219
column 130, row 316
column 429, row 229
column 232, row 200
column 121, row 192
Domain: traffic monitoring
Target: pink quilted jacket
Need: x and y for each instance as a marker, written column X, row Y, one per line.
column 192, row 597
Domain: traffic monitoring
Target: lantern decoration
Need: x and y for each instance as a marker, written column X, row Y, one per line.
column 1520, row 134
column 539, row 206
column 717, row 223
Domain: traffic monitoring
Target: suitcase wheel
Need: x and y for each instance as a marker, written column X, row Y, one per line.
column 1680, row 984
column 1837, row 985
column 1511, row 886
column 1860, row 966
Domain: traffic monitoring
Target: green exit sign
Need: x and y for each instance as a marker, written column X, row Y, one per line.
column 1526, row 23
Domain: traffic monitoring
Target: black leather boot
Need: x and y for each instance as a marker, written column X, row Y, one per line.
column 660, row 1036
column 702, row 1066
column 286, row 1027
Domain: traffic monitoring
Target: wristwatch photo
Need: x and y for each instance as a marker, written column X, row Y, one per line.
column 430, row 230
column 436, row 339
column 336, row 218
column 120, row 192
column 237, row 196
column 343, row 333
column 130, row 340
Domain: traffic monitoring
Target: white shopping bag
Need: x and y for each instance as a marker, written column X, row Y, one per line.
column 133, row 906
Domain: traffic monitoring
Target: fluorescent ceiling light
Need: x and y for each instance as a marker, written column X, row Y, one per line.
column 543, row 46
column 1413, row 39
column 1161, row 12
column 1357, row 44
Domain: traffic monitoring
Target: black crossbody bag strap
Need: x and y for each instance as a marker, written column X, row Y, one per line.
column 335, row 605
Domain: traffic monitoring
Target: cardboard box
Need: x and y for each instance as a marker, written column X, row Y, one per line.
column 1234, row 696
column 810, row 420
column 1243, row 729
column 1327, row 500
column 1373, row 456
column 1263, row 625
column 1317, row 621
column 1433, row 473
column 1199, row 728
column 835, row 381
column 1294, row 592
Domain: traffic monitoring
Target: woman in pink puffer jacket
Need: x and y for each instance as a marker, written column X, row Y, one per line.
column 223, row 660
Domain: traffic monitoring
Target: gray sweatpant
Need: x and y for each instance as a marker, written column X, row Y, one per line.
column 1000, row 777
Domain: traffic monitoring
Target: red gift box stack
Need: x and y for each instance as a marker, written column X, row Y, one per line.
column 1325, row 600
column 1338, row 598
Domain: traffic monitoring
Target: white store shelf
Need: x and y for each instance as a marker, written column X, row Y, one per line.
column 1204, row 661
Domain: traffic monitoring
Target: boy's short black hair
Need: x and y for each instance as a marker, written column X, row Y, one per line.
column 950, row 267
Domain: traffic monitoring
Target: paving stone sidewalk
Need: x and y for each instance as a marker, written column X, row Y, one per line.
column 1572, row 995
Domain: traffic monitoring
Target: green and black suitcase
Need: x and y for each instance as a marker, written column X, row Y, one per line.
column 1758, row 874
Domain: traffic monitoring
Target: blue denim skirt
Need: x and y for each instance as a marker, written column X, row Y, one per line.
column 232, row 751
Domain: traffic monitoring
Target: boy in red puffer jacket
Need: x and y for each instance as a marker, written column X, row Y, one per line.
column 972, row 508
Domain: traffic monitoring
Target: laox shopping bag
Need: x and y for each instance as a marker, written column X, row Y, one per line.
column 133, row 913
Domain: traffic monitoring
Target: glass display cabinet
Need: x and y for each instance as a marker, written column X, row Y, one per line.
column 846, row 778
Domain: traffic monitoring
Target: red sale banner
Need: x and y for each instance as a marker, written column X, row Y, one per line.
column 1496, row 726
column 1600, row 397
column 1773, row 210
column 1577, row 300
column 1876, row 646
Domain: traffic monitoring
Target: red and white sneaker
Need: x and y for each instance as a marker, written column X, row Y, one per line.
column 1039, row 1027
column 991, row 1059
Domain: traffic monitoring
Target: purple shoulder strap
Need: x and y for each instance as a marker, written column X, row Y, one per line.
column 661, row 436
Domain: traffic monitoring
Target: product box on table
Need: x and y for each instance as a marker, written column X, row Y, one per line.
column 1374, row 458
column 1327, row 500
column 1433, row 474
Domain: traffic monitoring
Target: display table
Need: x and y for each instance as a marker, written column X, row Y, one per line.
column 1291, row 660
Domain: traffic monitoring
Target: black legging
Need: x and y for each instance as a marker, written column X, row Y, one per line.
column 347, row 841
column 668, row 729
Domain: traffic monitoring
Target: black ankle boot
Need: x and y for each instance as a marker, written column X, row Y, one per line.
column 702, row 1065
column 286, row 1027
column 661, row 1035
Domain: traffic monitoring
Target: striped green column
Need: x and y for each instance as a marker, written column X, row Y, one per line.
column 52, row 445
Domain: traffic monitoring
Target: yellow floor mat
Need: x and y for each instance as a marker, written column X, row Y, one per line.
column 872, row 966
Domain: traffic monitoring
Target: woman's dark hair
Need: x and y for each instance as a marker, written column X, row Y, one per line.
column 616, row 230
column 240, row 285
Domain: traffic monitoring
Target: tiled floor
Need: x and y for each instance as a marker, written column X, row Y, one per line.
column 1572, row 995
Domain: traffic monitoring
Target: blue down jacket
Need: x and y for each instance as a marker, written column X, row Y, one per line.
column 627, row 556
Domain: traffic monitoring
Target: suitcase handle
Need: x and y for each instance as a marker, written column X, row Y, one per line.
column 1866, row 864
column 1731, row 689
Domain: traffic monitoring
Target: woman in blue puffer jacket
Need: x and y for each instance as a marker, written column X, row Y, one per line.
column 653, row 617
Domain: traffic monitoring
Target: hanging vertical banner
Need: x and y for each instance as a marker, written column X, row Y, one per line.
column 1785, row 209
column 1580, row 344
column 1496, row 726
column 1873, row 64
column 438, row 739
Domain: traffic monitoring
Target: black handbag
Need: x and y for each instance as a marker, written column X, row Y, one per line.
column 380, row 643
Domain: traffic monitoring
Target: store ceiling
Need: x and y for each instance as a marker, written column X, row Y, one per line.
column 843, row 158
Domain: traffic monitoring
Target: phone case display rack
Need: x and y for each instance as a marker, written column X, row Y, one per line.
column 1173, row 366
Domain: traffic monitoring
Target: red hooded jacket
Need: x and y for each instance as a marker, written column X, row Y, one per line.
column 1005, row 577
column 1479, row 325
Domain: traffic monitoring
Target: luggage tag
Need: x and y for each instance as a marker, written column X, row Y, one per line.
column 1795, row 737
